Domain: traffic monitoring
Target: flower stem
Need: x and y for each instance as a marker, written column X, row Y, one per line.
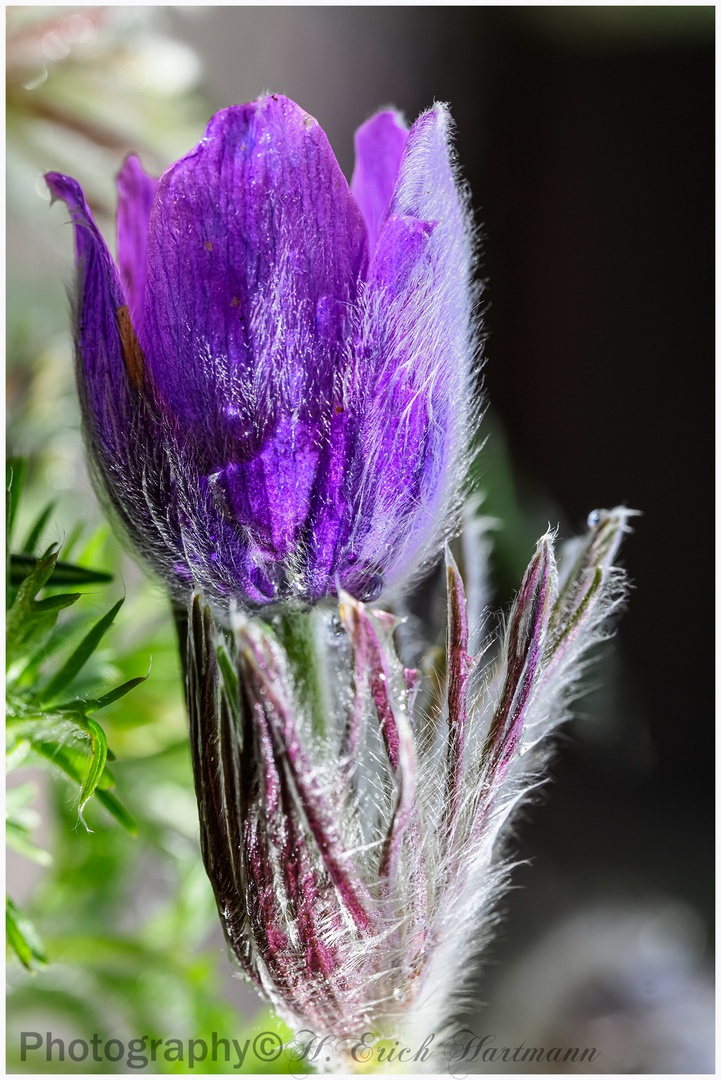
column 297, row 632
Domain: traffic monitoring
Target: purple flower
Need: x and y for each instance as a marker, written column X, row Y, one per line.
column 275, row 380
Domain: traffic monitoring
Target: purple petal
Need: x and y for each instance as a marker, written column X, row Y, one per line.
column 255, row 253
column 130, row 456
column 403, row 257
column 255, row 250
column 330, row 523
column 270, row 494
column 110, row 361
column 415, row 353
column 165, row 508
column 136, row 191
column 379, row 500
column 299, row 421
column 379, row 145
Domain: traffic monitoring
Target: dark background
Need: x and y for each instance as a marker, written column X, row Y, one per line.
column 595, row 170
column 586, row 135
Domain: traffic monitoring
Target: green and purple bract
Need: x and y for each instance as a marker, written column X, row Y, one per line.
column 275, row 379
column 357, row 870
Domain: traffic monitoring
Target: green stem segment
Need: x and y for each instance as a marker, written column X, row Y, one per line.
column 297, row 633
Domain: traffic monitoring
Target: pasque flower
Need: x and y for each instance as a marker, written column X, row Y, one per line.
column 356, row 871
column 275, row 379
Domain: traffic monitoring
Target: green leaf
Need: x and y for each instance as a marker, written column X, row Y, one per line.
column 38, row 526
column 64, row 573
column 23, row 938
column 56, row 603
column 96, row 765
column 16, row 754
column 69, row 751
column 83, row 652
column 86, row 705
column 70, row 758
column 36, row 579
column 25, row 625
column 73, row 762
column 26, row 676
column 116, row 694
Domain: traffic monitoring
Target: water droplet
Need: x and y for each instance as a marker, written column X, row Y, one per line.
column 368, row 588
column 593, row 519
column 398, row 994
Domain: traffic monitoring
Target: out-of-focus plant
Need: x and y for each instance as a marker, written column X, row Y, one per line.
column 84, row 86
column 96, row 83
column 39, row 726
column 112, row 942
column 41, row 718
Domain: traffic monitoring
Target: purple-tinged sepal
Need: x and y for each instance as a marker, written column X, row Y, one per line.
column 459, row 666
column 311, row 882
column 355, row 860
column 586, row 566
column 522, row 652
